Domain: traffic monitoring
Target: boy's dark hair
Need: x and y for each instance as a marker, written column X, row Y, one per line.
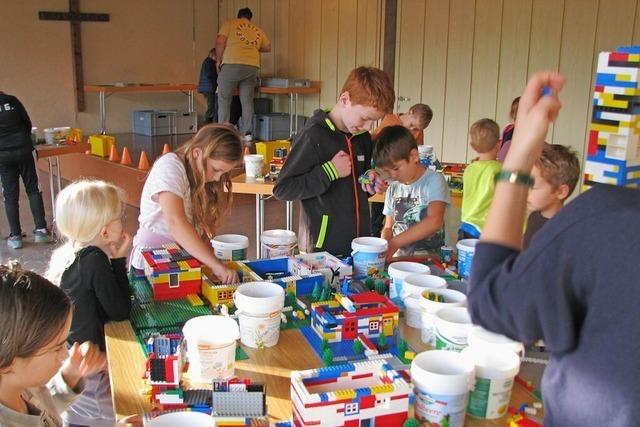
column 514, row 108
column 245, row 12
column 33, row 309
column 212, row 51
column 394, row 143
column 559, row 165
column 485, row 134
column 423, row 113
column 370, row 87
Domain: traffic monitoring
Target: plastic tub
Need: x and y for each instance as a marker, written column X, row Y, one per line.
column 230, row 247
column 398, row 271
column 480, row 337
column 259, row 305
column 466, row 250
column 429, row 308
column 368, row 256
column 253, row 165
column 452, row 325
column 278, row 243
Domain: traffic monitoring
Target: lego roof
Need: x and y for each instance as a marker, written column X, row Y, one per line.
column 170, row 259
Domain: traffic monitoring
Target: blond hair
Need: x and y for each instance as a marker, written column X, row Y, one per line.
column 559, row 165
column 423, row 113
column 83, row 209
column 210, row 201
column 485, row 134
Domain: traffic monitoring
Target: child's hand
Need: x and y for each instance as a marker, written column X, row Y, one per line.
column 342, row 162
column 535, row 112
column 376, row 183
column 122, row 248
column 84, row 359
column 225, row 274
column 391, row 250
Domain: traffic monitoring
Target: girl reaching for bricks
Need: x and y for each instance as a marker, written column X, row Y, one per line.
column 186, row 195
column 90, row 267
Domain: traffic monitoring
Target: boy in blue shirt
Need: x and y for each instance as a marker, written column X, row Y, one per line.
column 415, row 201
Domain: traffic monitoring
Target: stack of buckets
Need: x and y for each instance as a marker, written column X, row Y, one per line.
column 478, row 380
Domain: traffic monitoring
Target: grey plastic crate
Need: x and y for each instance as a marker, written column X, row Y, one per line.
column 154, row 122
column 284, row 82
column 267, row 127
column 186, row 122
column 262, row 105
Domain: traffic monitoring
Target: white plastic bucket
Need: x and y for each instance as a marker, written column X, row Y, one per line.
column 480, row 337
column 466, row 249
column 368, row 255
column 211, row 347
column 429, row 308
column 230, row 247
column 412, row 287
column 495, row 373
column 442, row 380
column 278, row 243
column 182, row 418
column 253, row 165
column 398, row 271
column 452, row 325
column 259, row 306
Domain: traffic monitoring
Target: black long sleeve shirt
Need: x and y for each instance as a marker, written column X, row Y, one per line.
column 576, row 287
column 15, row 125
column 99, row 289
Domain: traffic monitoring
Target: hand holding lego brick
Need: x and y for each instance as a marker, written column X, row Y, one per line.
column 342, row 162
column 372, row 183
column 224, row 274
column 84, row 359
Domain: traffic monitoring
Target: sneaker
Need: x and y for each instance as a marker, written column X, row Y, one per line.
column 42, row 235
column 14, row 242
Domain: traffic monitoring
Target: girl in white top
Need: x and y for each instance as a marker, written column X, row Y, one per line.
column 186, row 194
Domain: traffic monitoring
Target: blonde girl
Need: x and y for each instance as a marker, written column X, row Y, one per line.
column 186, row 195
column 38, row 375
column 91, row 268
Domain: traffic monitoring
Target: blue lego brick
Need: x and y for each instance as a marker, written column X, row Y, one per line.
column 607, row 79
column 362, row 392
column 324, row 397
column 628, row 49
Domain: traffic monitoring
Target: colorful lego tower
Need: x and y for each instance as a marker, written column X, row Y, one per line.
column 613, row 155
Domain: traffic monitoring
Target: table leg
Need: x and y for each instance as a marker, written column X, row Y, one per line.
column 295, row 119
column 259, row 224
column 52, row 193
column 190, row 95
column 290, row 115
column 58, row 174
column 289, row 206
column 103, row 113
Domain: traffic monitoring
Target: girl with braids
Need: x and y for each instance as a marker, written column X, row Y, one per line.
column 186, row 195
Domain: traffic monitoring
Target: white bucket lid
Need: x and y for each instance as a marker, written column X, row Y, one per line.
column 402, row 269
column 278, row 237
column 453, row 316
column 254, row 158
column 415, row 283
column 452, row 298
column 443, row 372
column 218, row 331
column 492, row 363
column 468, row 245
column 230, row 241
column 259, row 297
column 480, row 337
column 369, row 244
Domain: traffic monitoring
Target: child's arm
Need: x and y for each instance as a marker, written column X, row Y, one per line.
column 109, row 282
column 425, row 228
column 387, row 229
column 303, row 177
column 185, row 234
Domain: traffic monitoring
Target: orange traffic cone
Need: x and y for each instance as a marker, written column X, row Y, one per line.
column 126, row 158
column 113, row 154
column 166, row 149
column 143, row 164
column 89, row 144
column 88, row 151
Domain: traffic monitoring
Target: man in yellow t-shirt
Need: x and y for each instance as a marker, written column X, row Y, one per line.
column 238, row 46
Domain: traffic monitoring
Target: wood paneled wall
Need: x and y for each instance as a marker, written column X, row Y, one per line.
column 468, row 59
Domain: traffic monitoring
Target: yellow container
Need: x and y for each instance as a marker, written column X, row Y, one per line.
column 266, row 148
column 101, row 144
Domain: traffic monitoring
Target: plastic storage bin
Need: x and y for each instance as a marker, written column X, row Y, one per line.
column 154, row 122
column 186, row 122
column 262, row 105
column 267, row 127
column 284, row 82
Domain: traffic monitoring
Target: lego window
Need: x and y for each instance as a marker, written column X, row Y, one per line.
column 383, row 403
column 174, row 281
column 351, row 408
column 617, row 147
column 374, row 326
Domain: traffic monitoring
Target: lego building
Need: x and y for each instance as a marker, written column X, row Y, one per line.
column 613, row 155
column 172, row 272
column 371, row 315
column 359, row 394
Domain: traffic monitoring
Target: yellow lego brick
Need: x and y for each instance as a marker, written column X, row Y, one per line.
column 194, row 300
column 604, row 128
column 382, row 388
column 345, row 394
column 634, row 57
column 101, row 144
column 623, row 77
column 409, row 355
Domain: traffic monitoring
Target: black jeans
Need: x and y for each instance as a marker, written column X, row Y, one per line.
column 211, row 115
column 13, row 165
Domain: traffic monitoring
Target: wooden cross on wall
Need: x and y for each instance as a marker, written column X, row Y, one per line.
column 75, row 18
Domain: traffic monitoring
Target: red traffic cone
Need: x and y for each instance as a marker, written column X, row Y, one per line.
column 143, row 164
column 126, row 158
